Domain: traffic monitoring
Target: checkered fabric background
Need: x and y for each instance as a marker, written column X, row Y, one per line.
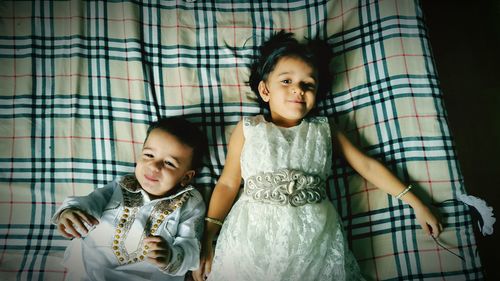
column 80, row 81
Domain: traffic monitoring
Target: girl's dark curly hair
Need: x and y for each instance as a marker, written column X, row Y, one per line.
column 314, row 52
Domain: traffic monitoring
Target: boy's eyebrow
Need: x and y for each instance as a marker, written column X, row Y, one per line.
column 173, row 157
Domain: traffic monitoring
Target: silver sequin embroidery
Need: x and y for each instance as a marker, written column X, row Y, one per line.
column 284, row 187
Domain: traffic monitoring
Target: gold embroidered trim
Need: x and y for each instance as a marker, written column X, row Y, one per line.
column 132, row 202
column 284, row 187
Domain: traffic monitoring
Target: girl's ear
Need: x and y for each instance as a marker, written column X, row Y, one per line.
column 263, row 92
column 188, row 176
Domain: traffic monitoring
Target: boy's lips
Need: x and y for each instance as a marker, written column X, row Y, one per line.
column 150, row 178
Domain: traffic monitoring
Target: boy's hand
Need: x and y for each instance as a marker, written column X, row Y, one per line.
column 158, row 251
column 429, row 222
column 72, row 223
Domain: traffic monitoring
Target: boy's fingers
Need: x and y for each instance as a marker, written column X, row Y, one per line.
column 153, row 239
column 77, row 221
column 156, row 254
column 63, row 231
column 88, row 218
column 69, row 228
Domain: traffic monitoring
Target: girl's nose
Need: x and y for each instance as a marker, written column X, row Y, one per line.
column 297, row 90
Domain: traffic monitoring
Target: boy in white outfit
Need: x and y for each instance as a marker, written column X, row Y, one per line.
column 142, row 226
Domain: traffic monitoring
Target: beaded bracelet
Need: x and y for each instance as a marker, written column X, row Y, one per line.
column 402, row 193
column 216, row 221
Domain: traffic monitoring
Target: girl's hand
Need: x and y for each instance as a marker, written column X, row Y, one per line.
column 206, row 258
column 429, row 222
column 72, row 223
column 158, row 251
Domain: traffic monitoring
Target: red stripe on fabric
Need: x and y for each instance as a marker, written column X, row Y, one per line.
column 418, row 124
column 392, row 119
column 124, row 79
column 123, row 20
column 32, row 270
column 11, row 194
column 31, row 202
column 289, row 17
column 74, row 137
column 437, row 250
column 365, row 183
column 236, row 60
column 128, row 83
column 72, row 132
column 377, row 61
column 179, row 58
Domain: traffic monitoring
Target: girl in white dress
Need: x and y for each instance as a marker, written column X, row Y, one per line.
column 283, row 227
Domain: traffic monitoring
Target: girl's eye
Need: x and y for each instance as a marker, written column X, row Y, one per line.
column 309, row 86
column 148, row 155
column 286, row 81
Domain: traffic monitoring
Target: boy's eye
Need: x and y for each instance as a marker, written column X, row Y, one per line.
column 170, row 164
column 286, row 81
column 148, row 155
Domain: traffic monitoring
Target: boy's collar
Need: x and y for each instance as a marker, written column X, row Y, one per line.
column 130, row 183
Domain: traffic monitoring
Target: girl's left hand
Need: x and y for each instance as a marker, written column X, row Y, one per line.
column 429, row 222
column 158, row 251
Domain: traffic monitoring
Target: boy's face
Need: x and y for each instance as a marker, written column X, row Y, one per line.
column 164, row 163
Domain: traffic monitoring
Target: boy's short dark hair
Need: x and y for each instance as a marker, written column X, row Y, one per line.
column 187, row 133
column 315, row 52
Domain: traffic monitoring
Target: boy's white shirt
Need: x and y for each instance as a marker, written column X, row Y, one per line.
column 92, row 257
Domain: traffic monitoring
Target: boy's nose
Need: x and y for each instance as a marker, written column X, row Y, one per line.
column 156, row 165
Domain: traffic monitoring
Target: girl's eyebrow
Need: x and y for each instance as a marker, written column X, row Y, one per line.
column 291, row 72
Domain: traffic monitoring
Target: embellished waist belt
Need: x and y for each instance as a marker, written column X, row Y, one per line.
column 284, row 187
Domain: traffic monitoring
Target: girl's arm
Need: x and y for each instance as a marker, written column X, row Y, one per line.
column 228, row 185
column 376, row 173
column 222, row 199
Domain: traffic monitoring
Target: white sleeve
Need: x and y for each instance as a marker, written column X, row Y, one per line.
column 93, row 204
column 186, row 243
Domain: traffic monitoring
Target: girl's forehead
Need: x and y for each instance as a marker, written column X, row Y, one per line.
column 293, row 64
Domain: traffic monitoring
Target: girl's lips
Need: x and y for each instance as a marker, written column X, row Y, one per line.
column 297, row 101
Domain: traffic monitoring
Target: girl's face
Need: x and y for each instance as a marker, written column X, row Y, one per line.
column 290, row 90
column 165, row 162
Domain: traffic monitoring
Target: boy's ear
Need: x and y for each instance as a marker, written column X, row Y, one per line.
column 188, row 176
column 263, row 92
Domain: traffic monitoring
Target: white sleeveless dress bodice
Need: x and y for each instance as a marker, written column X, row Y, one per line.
column 283, row 227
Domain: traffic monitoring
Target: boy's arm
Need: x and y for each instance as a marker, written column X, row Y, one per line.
column 185, row 246
column 92, row 204
column 376, row 173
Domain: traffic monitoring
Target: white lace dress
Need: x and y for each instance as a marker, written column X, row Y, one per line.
column 283, row 227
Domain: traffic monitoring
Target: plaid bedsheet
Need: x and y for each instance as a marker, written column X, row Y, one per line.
column 80, row 81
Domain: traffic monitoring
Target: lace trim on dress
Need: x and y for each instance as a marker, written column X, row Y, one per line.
column 285, row 186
